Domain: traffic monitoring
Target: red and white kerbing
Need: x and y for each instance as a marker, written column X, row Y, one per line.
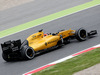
column 61, row 60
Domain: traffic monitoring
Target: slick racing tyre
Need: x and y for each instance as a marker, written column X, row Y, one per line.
column 81, row 34
column 27, row 52
column 6, row 57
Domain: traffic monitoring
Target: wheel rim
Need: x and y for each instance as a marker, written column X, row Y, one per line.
column 29, row 53
column 83, row 34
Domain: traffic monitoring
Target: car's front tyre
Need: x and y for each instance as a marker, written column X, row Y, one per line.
column 81, row 34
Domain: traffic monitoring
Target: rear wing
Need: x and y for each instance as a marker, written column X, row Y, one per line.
column 11, row 46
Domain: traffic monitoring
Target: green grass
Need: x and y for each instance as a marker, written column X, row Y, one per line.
column 78, row 63
column 48, row 18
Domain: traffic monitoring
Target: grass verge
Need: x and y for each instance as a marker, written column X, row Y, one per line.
column 73, row 65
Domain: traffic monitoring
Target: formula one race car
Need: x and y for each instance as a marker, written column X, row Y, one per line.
column 38, row 42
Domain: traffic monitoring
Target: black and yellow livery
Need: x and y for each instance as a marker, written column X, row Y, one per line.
column 38, row 42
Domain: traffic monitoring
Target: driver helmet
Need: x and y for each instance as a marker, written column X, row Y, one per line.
column 46, row 34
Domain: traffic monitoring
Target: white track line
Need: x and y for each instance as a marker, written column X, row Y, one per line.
column 61, row 60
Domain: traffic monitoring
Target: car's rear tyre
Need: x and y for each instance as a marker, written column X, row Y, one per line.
column 6, row 57
column 81, row 34
column 27, row 52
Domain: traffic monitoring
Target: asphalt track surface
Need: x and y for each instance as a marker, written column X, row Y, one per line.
column 34, row 10
column 88, row 19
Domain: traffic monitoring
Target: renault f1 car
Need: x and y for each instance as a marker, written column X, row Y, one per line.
column 38, row 42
